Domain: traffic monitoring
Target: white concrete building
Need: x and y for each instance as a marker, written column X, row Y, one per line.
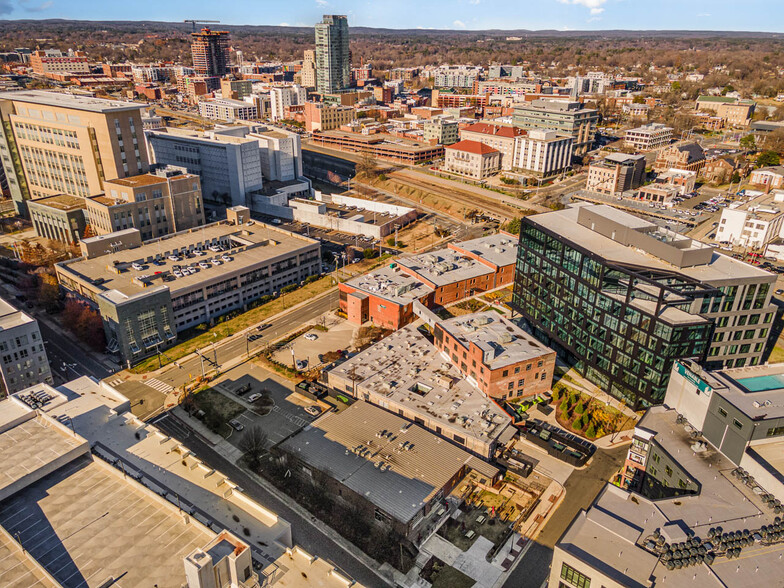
column 648, row 137
column 23, row 361
column 281, row 153
column 229, row 110
column 543, row 152
column 284, row 97
column 472, row 159
column 755, row 223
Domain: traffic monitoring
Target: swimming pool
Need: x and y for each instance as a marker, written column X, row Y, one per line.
column 762, row 383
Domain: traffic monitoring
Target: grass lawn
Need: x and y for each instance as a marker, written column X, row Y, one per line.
column 229, row 327
column 776, row 355
column 219, row 409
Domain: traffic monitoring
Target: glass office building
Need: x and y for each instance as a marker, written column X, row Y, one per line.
column 621, row 299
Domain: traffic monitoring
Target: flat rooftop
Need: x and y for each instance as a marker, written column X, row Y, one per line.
column 392, row 141
column 72, row 101
column 175, row 133
column 499, row 249
column 612, row 533
column 85, row 523
column 11, row 317
column 395, row 464
column 30, row 445
column 18, row 569
column 564, row 223
column 756, row 391
column 502, row 342
column 247, row 245
column 407, row 369
column 63, row 202
column 763, row 207
column 444, row 266
column 391, row 284
column 146, row 180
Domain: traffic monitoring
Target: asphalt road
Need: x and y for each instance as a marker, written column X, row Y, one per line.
column 153, row 397
column 582, row 487
column 304, row 533
column 61, row 349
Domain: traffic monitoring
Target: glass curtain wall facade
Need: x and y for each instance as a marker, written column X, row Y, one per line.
column 621, row 326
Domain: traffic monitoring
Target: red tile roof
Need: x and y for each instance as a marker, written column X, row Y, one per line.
column 497, row 130
column 472, row 147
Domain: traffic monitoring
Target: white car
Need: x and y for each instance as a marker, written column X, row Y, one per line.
column 275, row 221
column 198, row 252
column 204, row 265
column 253, row 398
column 137, row 266
column 313, row 410
column 216, row 261
column 178, row 273
column 214, row 248
column 226, row 257
column 311, row 336
column 174, row 258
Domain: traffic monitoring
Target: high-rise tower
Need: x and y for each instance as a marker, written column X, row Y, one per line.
column 333, row 63
column 210, row 50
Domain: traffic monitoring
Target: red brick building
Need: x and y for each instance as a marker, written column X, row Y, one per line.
column 386, row 297
column 496, row 355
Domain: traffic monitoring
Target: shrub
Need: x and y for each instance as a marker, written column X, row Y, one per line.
column 591, row 432
column 580, row 408
column 564, row 405
column 578, row 423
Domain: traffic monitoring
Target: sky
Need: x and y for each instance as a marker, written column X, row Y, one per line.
column 722, row 15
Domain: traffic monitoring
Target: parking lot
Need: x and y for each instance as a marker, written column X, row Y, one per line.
column 312, row 345
column 285, row 412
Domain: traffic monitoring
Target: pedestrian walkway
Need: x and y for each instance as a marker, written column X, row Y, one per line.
column 159, row 386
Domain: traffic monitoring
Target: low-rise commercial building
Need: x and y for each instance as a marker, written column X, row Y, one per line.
column 44, row 64
column 235, row 89
column 387, row 296
column 407, row 375
column 472, row 159
column 648, row 137
column 543, row 153
column 616, row 173
column 164, row 201
column 622, row 299
column 754, row 223
column 60, row 218
column 395, row 472
column 768, row 177
column 496, row 355
column 23, row 361
column 148, row 294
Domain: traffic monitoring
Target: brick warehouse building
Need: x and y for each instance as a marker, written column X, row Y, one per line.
column 387, row 296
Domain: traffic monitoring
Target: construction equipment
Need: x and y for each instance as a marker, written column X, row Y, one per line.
column 193, row 22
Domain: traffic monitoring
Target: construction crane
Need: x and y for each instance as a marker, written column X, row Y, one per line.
column 193, row 22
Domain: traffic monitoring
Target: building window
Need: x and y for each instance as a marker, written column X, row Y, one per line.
column 505, row 373
column 775, row 432
column 668, row 471
column 737, row 423
column 574, row 578
column 722, row 412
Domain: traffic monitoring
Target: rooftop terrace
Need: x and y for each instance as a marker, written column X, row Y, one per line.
column 392, row 284
column 61, row 202
column 444, row 266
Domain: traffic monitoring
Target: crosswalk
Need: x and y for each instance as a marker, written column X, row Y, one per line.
column 159, row 386
column 116, row 382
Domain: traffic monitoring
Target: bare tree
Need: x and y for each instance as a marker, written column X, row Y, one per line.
column 254, row 444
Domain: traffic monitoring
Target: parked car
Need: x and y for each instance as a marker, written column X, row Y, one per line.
column 313, row 410
column 253, row 397
column 301, row 364
column 311, row 336
column 236, row 425
column 264, row 326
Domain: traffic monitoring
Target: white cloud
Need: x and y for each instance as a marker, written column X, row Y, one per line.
column 474, row 2
column 322, row 2
column 703, row 14
column 284, row 24
column 594, row 19
column 595, row 6
column 458, row 24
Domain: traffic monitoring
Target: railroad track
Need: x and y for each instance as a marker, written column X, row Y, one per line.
column 469, row 201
